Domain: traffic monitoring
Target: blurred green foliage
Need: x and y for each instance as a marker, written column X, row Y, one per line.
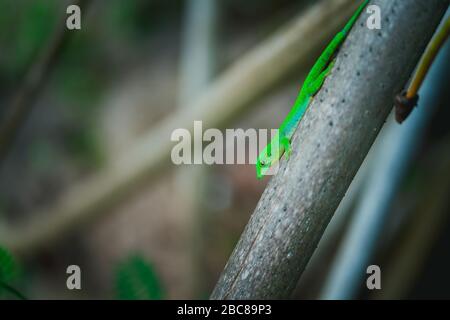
column 9, row 272
column 133, row 20
column 24, row 27
column 8, row 266
column 136, row 279
column 124, row 18
column 83, row 71
column 84, row 146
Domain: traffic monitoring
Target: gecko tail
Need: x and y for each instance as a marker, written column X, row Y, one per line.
column 355, row 16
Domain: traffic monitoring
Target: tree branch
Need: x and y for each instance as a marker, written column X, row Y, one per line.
column 328, row 148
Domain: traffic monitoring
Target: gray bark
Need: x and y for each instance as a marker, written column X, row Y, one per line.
column 329, row 146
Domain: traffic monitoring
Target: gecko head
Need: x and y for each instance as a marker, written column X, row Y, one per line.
column 264, row 161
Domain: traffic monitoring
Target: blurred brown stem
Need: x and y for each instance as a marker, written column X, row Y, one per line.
column 35, row 78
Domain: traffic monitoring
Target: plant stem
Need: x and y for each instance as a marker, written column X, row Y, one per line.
column 428, row 58
column 12, row 290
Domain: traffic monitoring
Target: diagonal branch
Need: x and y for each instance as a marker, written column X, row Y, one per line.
column 35, row 79
column 328, row 148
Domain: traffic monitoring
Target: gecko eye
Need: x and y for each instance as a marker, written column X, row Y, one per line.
column 266, row 164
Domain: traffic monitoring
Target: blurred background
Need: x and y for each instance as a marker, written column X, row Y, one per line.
column 75, row 186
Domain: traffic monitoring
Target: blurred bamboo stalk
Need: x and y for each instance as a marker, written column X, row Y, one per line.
column 391, row 165
column 34, row 80
column 427, row 221
column 198, row 63
column 249, row 78
column 331, row 143
column 198, row 54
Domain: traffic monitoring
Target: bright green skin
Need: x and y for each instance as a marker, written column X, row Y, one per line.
column 281, row 143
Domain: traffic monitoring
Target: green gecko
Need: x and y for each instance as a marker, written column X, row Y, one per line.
column 281, row 142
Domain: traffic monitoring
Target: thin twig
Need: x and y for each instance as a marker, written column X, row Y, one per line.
column 35, row 79
column 12, row 291
column 407, row 100
column 428, row 58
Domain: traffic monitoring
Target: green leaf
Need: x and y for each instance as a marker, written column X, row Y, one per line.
column 37, row 22
column 9, row 271
column 8, row 266
column 137, row 280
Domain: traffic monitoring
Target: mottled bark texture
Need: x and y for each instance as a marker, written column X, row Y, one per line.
column 328, row 148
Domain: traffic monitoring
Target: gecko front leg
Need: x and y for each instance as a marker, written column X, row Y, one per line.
column 286, row 145
column 317, row 83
